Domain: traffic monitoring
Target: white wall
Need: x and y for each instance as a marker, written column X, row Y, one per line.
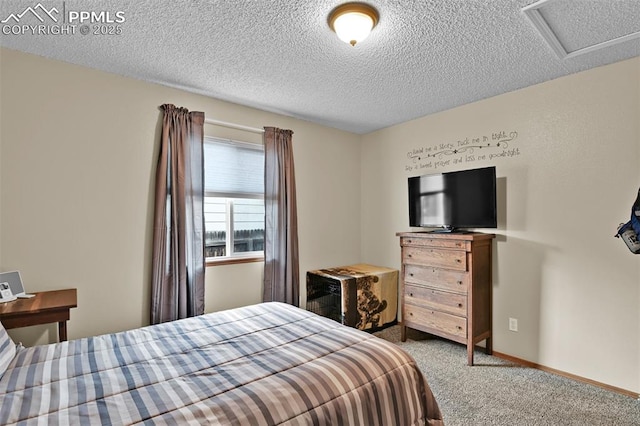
column 78, row 156
column 557, row 268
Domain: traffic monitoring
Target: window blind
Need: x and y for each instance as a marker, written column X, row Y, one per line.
column 233, row 169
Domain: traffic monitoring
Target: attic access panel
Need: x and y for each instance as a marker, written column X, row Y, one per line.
column 574, row 28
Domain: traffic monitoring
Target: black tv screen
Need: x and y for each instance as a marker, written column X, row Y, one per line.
column 453, row 200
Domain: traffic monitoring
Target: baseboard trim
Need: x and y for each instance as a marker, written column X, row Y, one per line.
column 530, row 364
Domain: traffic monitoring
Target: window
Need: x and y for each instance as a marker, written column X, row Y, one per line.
column 234, row 199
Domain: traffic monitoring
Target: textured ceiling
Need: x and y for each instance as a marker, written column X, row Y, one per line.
column 280, row 55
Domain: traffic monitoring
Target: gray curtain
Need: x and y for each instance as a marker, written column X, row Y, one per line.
column 177, row 287
column 281, row 277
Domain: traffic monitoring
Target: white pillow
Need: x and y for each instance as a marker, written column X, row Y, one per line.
column 7, row 350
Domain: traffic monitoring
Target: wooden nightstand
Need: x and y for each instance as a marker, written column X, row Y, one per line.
column 44, row 308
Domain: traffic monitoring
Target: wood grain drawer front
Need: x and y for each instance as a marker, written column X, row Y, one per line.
column 442, row 321
column 435, row 243
column 439, row 278
column 449, row 259
column 452, row 303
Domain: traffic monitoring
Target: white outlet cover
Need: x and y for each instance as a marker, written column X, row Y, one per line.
column 513, row 324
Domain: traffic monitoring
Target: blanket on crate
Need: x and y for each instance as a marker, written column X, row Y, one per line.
column 367, row 295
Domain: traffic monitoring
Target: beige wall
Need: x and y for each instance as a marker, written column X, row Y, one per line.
column 1, row 93
column 78, row 157
column 573, row 287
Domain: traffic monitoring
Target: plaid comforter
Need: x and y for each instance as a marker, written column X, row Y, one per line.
column 265, row 364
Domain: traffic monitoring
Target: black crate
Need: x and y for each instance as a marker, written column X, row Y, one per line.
column 325, row 295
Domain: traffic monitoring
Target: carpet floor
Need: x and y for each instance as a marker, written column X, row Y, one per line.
column 497, row 392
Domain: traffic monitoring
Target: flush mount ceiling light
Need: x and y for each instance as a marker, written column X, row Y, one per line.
column 353, row 22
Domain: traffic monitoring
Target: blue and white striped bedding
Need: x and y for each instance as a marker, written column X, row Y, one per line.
column 7, row 350
column 265, row 364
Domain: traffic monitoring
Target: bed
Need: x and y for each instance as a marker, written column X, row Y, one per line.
column 264, row 364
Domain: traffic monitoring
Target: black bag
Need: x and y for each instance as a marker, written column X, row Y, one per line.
column 635, row 215
column 630, row 231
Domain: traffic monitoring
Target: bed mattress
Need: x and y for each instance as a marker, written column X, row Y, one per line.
column 266, row 364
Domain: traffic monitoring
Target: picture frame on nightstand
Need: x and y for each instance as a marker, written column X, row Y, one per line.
column 5, row 293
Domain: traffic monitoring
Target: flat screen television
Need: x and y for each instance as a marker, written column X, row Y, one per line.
column 453, row 201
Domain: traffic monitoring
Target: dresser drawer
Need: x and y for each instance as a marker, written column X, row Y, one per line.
column 421, row 318
column 449, row 259
column 433, row 242
column 433, row 299
column 438, row 278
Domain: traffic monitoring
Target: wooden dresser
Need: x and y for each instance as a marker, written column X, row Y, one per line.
column 445, row 286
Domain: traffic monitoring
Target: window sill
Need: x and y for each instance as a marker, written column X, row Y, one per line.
column 212, row 261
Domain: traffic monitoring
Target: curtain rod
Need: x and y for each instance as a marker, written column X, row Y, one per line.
column 233, row 125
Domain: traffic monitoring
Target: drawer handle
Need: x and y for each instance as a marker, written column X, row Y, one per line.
column 459, row 328
column 459, row 260
column 459, row 282
column 408, row 241
column 410, row 314
column 410, row 294
column 411, row 274
column 409, row 255
column 459, row 305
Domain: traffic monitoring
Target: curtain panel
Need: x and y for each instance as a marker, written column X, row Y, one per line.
column 281, row 276
column 178, row 264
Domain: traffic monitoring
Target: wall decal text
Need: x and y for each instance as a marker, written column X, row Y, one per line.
column 497, row 145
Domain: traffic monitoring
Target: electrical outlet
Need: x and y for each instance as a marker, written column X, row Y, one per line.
column 513, row 324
